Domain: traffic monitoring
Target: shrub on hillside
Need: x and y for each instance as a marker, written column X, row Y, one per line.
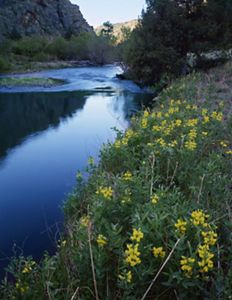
column 29, row 47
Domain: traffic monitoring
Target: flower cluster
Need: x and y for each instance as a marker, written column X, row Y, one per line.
column 198, row 217
column 21, row 287
column 101, row 240
column 210, row 237
column 126, row 277
column 124, row 141
column 181, row 226
column 187, row 265
column 127, row 176
column 84, row 221
column 28, row 267
column 158, row 252
column 206, row 256
column 132, row 254
column 105, row 192
column 198, row 221
column 137, row 235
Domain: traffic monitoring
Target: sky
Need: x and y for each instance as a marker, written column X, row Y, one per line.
column 96, row 12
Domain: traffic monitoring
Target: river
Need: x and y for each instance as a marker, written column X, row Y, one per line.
column 46, row 136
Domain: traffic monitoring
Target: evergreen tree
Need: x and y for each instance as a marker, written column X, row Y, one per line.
column 170, row 29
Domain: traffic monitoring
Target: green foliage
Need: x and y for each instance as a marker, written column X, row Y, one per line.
column 107, row 29
column 158, row 204
column 29, row 47
column 86, row 46
column 29, row 81
column 4, row 65
column 169, row 30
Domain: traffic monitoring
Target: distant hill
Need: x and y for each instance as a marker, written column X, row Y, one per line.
column 40, row 18
column 118, row 27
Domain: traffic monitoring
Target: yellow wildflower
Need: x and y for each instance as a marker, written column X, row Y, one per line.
column 154, row 199
column 190, row 145
column 205, row 133
column 206, row 256
column 210, row 237
column 223, row 144
column 117, row 144
column 106, row 192
column 205, row 119
column 137, row 235
column 181, row 226
column 159, row 114
column 127, row 176
column 173, row 144
column 21, row 287
column 156, row 128
column 178, row 123
column 187, row 265
column 101, row 240
column 144, row 123
column 161, row 142
column 198, row 217
column 158, row 252
column 84, row 221
column 204, row 111
column 28, row 267
column 217, row 116
column 127, row 277
column 192, row 122
column 146, row 114
column 132, row 255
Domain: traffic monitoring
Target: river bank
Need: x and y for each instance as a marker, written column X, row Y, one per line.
column 154, row 218
column 36, row 66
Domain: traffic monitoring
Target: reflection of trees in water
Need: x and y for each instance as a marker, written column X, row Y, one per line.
column 126, row 104
column 27, row 113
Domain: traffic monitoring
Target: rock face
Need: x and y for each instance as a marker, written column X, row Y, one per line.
column 20, row 18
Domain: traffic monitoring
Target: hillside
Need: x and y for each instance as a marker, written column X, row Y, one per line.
column 118, row 28
column 154, row 219
column 40, row 18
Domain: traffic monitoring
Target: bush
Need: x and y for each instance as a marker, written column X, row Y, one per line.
column 29, row 47
column 4, row 65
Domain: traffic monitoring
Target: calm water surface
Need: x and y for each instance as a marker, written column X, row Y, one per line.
column 45, row 137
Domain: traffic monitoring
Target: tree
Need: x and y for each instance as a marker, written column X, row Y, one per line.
column 170, row 29
column 107, row 29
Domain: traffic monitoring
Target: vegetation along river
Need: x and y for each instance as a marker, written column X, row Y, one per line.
column 46, row 136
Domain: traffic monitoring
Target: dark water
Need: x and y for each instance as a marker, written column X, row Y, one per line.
column 44, row 139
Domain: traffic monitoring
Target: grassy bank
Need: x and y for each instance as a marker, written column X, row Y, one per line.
column 154, row 219
column 11, row 82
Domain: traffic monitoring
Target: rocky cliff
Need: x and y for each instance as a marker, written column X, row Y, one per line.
column 19, row 18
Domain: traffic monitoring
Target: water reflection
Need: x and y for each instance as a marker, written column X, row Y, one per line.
column 44, row 139
column 22, row 115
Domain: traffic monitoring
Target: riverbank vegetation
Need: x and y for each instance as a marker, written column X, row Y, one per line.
column 24, row 54
column 175, row 37
column 29, row 81
column 153, row 221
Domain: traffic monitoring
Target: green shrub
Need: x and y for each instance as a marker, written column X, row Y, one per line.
column 4, row 65
column 29, row 46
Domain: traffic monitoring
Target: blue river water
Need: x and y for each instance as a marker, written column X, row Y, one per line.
column 46, row 136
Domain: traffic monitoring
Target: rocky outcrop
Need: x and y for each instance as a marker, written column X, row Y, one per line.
column 20, row 18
